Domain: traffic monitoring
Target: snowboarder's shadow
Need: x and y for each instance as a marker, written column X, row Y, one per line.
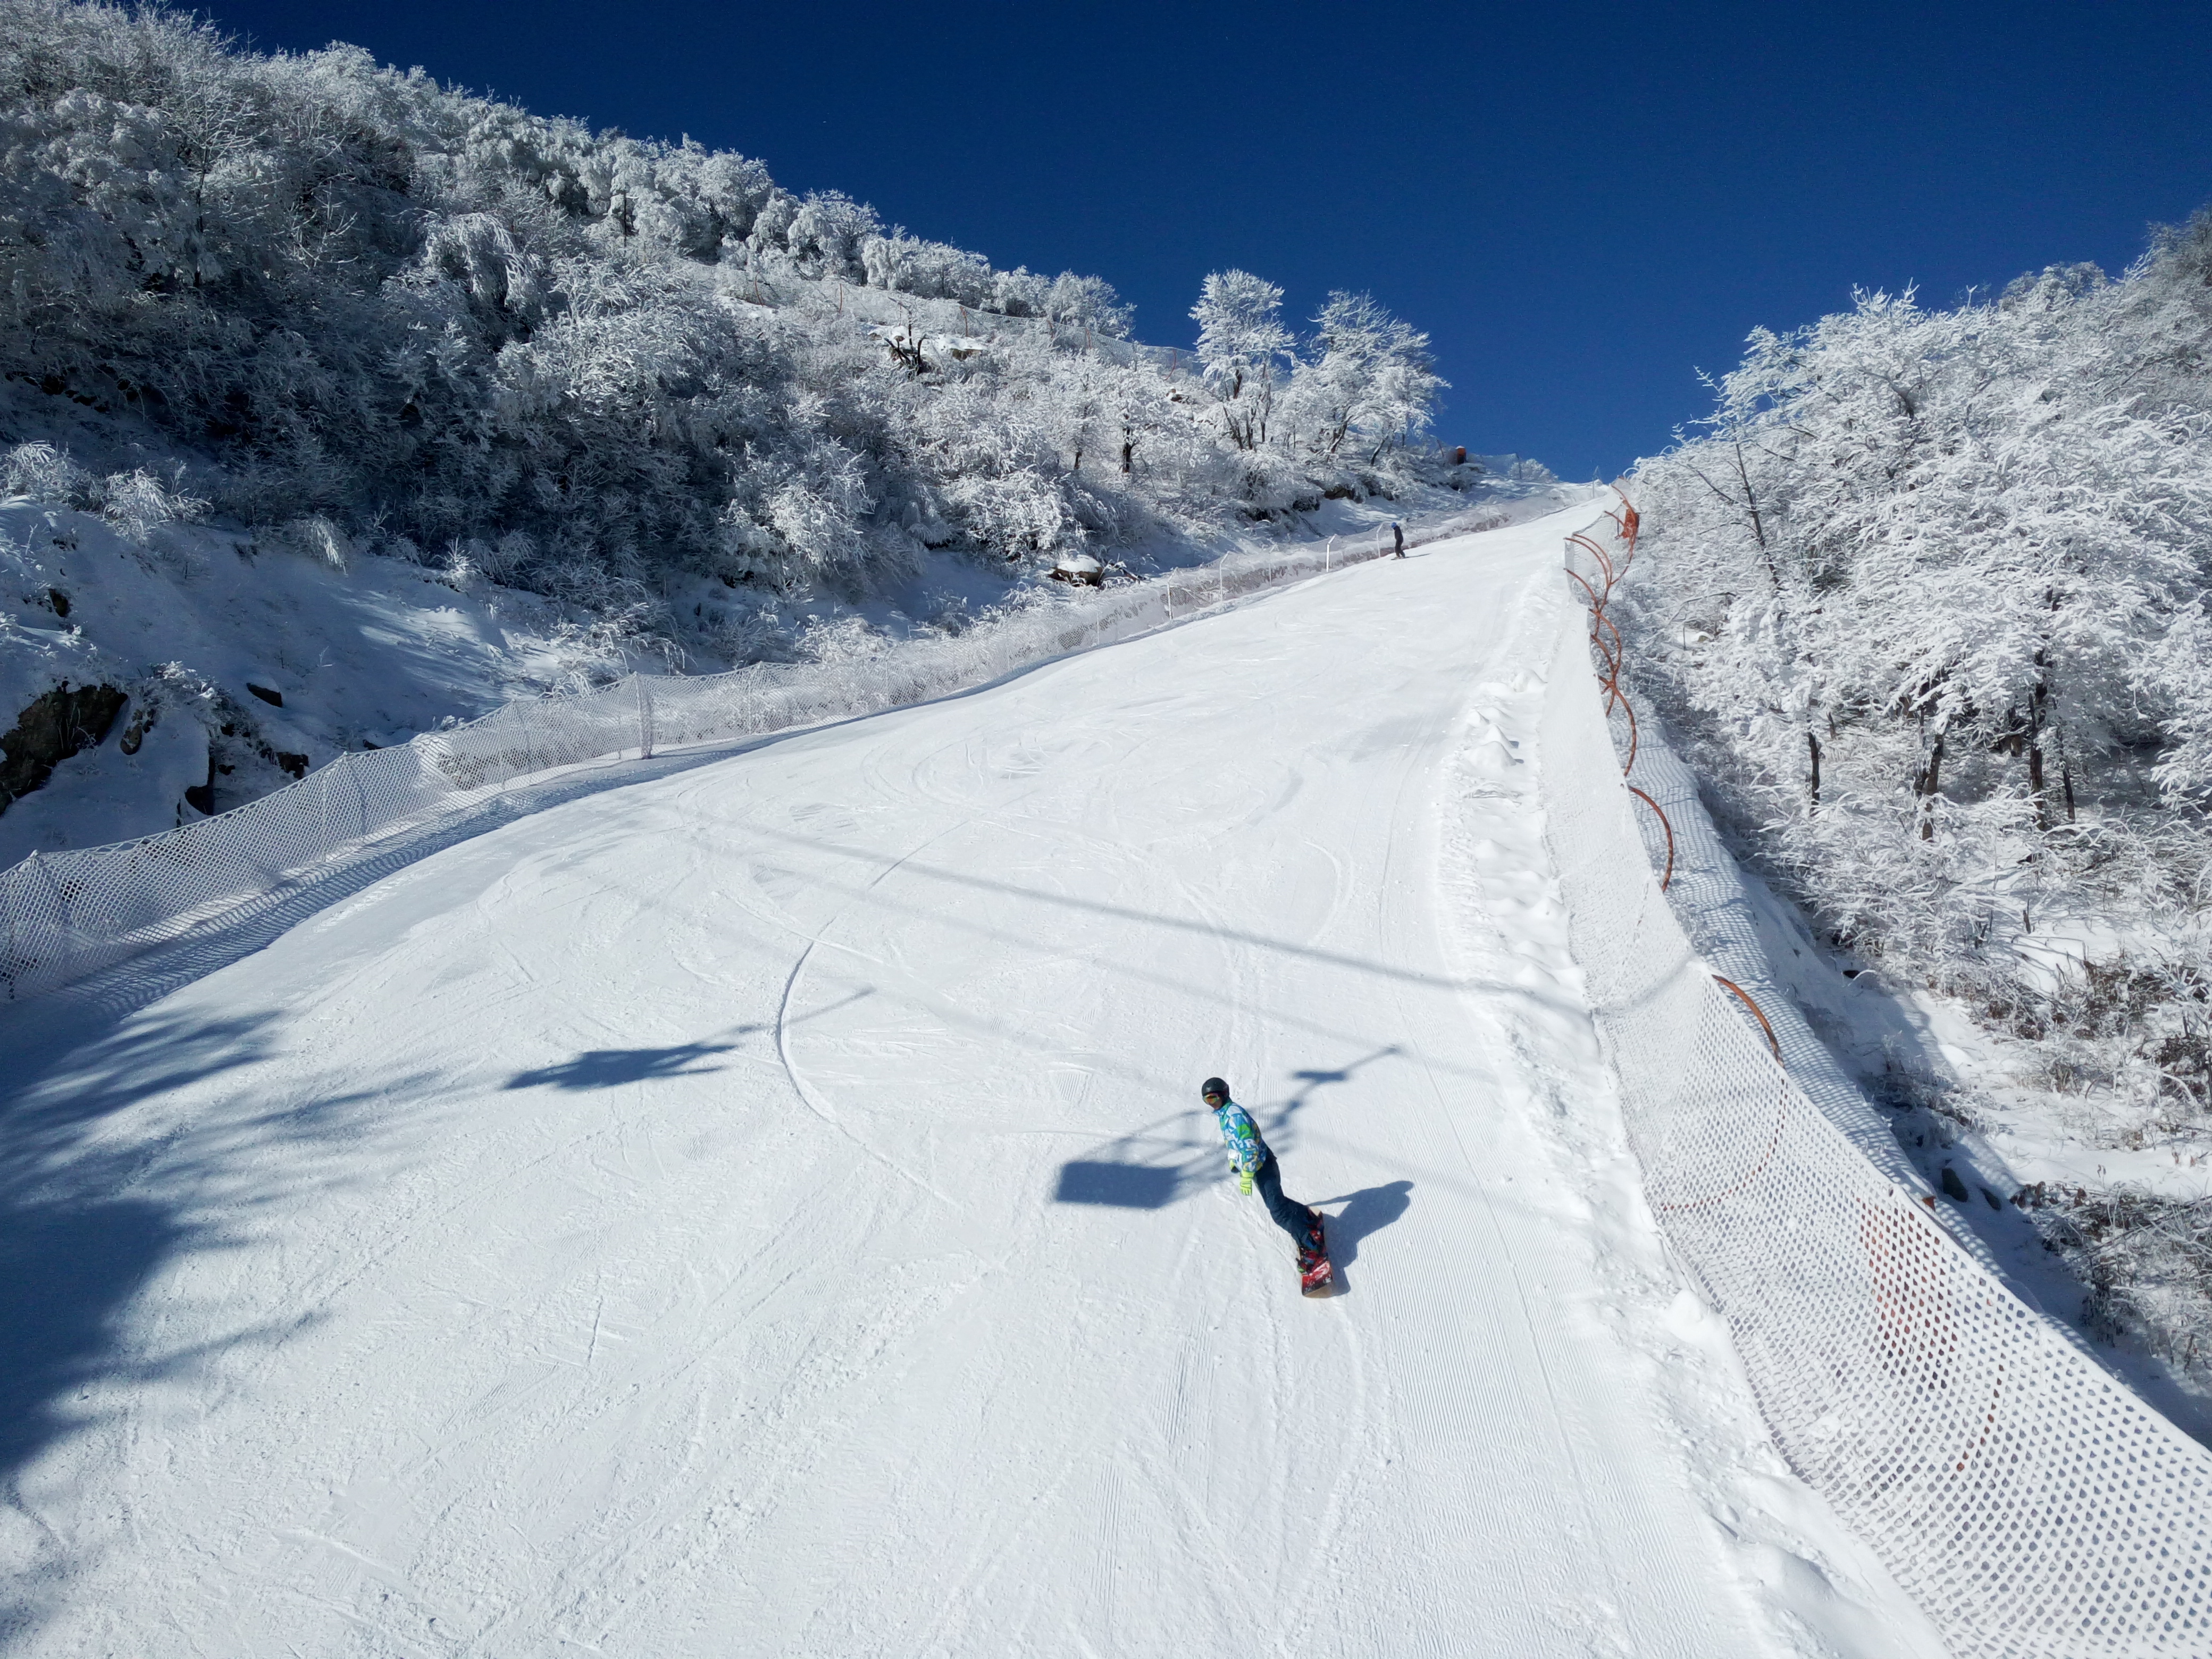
column 1367, row 1210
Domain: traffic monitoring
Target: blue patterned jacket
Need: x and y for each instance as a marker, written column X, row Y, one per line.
column 1247, row 1152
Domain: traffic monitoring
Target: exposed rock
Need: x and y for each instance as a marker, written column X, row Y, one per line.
column 274, row 698
column 200, row 796
column 142, row 722
column 50, row 729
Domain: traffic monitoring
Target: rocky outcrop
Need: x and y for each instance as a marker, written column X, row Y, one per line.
column 52, row 727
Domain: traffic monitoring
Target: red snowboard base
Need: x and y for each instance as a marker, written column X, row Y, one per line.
column 1315, row 1276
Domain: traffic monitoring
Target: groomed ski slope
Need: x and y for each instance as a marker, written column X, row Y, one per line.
column 768, row 1211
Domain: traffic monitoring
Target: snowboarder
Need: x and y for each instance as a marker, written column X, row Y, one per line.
column 1401, row 536
column 1255, row 1166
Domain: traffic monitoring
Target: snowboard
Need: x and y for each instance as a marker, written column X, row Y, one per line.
column 1315, row 1276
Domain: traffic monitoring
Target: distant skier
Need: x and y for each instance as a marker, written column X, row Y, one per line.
column 1255, row 1166
column 1401, row 536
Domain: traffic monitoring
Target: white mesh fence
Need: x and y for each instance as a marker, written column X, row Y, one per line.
column 2028, row 1500
column 66, row 915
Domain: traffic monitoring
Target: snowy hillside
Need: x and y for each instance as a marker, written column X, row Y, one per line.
column 767, row 1209
column 1926, row 600
column 157, row 681
column 629, row 400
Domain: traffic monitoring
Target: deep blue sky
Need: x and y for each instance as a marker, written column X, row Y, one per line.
column 1582, row 203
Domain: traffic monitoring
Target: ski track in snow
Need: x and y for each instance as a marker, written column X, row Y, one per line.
column 637, row 1230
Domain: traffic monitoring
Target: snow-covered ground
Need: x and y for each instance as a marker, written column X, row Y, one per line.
column 360, row 651
column 1962, row 1098
column 767, row 1210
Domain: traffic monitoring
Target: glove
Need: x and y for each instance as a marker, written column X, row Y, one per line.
column 1244, row 1183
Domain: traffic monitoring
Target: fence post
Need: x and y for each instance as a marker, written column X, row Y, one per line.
column 521, row 766
column 644, row 716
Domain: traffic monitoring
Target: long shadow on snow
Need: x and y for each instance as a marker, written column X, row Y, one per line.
column 257, row 920
column 1118, row 1186
column 77, row 1242
column 609, row 1068
column 1119, row 912
column 870, row 892
column 1129, row 1183
column 1278, row 1121
column 82, row 1234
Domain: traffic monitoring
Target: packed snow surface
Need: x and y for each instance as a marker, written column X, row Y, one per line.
column 767, row 1209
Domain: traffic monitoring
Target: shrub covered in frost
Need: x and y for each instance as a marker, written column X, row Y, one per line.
column 46, row 473
column 138, row 503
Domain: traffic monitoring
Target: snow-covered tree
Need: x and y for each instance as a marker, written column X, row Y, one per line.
column 1365, row 379
column 303, row 288
column 1928, row 591
column 1242, row 348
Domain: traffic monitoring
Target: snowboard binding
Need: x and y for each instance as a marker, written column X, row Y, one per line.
column 1316, row 1275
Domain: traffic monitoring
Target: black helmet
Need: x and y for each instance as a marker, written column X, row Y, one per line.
column 1211, row 1087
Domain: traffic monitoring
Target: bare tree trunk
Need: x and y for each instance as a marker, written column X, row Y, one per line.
column 1758, row 523
column 2036, row 700
column 1928, row 784
column 1813, row 743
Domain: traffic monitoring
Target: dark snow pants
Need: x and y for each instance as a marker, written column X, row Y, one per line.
column 1290, row 1215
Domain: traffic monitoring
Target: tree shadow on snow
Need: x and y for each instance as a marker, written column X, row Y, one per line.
column 74, row 1248
column 93, row 1214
